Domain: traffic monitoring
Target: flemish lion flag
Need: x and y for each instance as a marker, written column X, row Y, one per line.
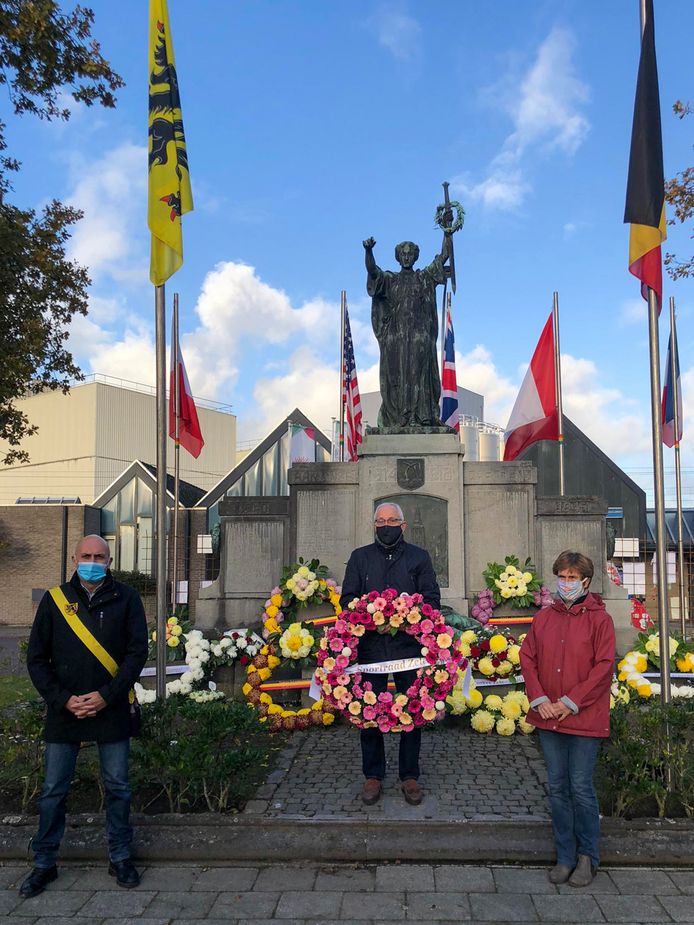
column 170, row 196
column 645, row 204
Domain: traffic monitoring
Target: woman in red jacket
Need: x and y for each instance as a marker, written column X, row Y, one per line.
column 568, row 662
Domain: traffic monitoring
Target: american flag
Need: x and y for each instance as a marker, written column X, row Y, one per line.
column 350, row 395
column 449, row 386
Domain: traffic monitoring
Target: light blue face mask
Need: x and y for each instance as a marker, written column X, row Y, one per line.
column 91, row 571
column 568, row 591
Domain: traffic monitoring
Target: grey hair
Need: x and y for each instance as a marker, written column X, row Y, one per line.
column 389, row 504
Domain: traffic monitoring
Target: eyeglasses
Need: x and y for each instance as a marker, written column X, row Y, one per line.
column 391, row 522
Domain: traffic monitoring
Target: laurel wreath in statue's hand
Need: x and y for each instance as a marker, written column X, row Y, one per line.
column 441, row 215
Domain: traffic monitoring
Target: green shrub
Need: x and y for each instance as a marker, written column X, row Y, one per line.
column 200, row 756
column 646, row 767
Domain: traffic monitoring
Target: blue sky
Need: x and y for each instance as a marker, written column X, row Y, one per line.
column 312, row 125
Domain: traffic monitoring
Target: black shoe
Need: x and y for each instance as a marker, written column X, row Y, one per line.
column 37, row 881
column 125, row 873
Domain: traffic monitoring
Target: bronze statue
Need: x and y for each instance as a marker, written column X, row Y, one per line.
column 405, row 322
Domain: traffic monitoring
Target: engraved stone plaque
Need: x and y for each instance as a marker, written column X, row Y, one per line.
column 410, row 473
column 427, row 526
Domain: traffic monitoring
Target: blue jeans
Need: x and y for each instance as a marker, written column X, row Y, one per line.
column 61, row 758
column 570, row 761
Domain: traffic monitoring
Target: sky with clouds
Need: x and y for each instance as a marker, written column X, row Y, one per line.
column 313, row 125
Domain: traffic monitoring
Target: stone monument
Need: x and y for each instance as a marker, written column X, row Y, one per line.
column 464, row 514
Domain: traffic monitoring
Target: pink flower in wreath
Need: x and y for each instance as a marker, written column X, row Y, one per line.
column 336, row 645
column 358, row 691
column 384, row 723
column 343, row 679
column 428, row 682
column 415, row 705
column 380, row 603
column 396, row 709
column 340, row 626
column 388, row 609
column 372, row 595
column 427, row 610
column 368, row 713
column 342, row 661
column 426, row 626
column 385, row 697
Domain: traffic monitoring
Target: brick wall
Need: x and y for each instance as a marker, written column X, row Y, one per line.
column 31, row 554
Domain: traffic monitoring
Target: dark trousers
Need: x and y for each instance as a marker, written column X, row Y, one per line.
column 570, row 761
column 373, row 755
column 61, row 758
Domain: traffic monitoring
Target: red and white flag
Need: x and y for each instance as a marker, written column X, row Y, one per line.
column 189, row 433
column 535, row 415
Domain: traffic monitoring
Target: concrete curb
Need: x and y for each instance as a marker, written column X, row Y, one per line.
column 203, row 838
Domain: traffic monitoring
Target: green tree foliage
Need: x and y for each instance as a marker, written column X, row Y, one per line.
column 679, row 192
column 44, row 54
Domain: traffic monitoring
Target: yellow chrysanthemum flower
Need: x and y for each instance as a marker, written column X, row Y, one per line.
column 328, row 719
column 511, row 709
column 482, row 721
column 474, row 699
column 498, row 643
column 505, row 727
column 468, row 637
column 485, row 666
column 493, row 702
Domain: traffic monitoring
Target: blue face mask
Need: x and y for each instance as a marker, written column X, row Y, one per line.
column 91, row 571
column 568, row 591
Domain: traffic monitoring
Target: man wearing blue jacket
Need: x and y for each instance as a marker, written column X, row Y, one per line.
column 87, row 647
column 390, row 562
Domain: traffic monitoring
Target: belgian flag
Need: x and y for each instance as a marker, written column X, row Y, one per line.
column 645, row 203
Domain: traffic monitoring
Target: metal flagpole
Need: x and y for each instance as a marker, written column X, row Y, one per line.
column 658, row 479
column 176, row 399
column 557, row 386
column 343, row 309
column 160, row 336
column 674, row 370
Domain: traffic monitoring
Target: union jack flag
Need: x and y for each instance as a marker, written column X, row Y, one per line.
column 350, row 395
column 449, row 386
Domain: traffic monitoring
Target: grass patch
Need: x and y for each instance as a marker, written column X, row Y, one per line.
column 14, row 689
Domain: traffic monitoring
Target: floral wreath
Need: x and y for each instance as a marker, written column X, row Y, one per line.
column 302, row 584
column 258, row 673
column 494, row 655
column 291, row 641
column 387, row 612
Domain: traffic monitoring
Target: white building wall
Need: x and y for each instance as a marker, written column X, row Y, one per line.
column 87, row 437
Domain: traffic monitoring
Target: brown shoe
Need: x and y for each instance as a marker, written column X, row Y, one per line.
column 371, row 791
column 413, row 792
column 584, row 872
column 560, row 873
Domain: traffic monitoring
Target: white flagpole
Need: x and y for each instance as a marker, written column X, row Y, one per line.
column 557, row 386
column 674, row 371
column 343, row 311
column 160, row 336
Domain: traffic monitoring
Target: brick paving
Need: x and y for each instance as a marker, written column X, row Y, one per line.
column 465, row 775
column 347, row 895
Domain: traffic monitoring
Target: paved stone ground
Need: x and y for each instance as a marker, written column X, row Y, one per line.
column 465, row 775
column 349, row 895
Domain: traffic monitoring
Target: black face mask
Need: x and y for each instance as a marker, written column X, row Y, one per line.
column 388, row 536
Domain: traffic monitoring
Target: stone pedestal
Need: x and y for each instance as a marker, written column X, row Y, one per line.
column 465, row 514
column 254, row 548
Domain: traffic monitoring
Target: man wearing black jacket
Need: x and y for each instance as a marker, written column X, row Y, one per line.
column 390, row 562
column 86, row 702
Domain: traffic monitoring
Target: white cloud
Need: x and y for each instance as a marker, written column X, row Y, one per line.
column 545, row 110
column 397, row 31
column 111, row 192
column 615, row 423
column 476, row 371
column 634, row 311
